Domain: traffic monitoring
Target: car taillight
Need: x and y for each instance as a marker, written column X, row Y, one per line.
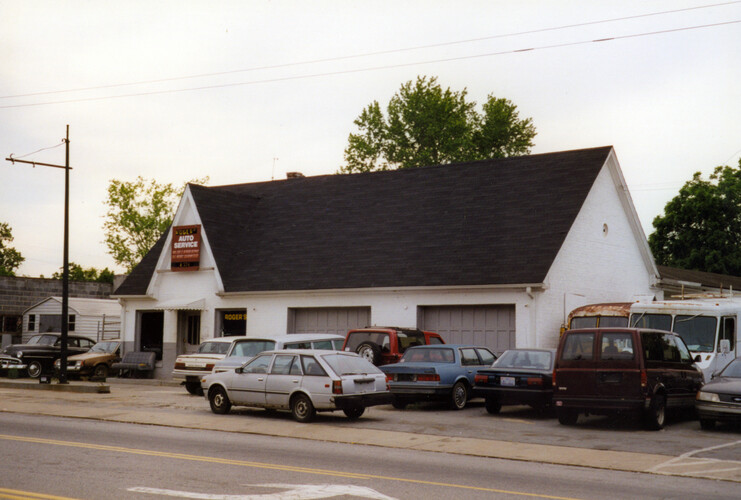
column 337, row 387
column 554, row 378
column 210, row 366
column 480, row 379
column 535, row 381
column 389, row 377
column 644, row 378
column 179, row 365
column 428, row 378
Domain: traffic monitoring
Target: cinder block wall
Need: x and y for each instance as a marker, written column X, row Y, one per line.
column 18, row 294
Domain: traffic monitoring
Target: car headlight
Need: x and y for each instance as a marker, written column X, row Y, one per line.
column 57, row 363
column 20, row 354
column 78, row 364
column 708, row 396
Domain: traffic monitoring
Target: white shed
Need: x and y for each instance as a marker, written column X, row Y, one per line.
column 97, row 319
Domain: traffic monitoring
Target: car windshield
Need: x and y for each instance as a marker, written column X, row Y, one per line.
column 429, row 355
column 733, row 369
column 540, row 360
column 214, row 348
column 105, row 347
column 42, row 340
column 653, row 321
column 698, row 332
column 349, row 365
column 248, row 348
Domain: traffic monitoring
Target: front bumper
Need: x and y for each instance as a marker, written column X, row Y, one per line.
column 8, row 362
column 347, row 401
column 718, row 411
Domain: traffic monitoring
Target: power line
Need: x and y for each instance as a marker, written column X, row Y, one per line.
column 373, row 68
column 370, row 54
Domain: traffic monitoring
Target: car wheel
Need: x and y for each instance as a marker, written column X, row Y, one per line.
column 370, row 352
column 567, row 417
column 219, row 401
column 655, row 416
column 100, row 372
column 493, row 405
column 302, row 408
column 194, row 388
column 459, row 396
column 707, row 424
column 399, row 404
column 34, row 369
column 354, row 413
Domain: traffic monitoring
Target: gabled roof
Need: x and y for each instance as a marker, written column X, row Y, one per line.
column 85, row 307
column 491, row 222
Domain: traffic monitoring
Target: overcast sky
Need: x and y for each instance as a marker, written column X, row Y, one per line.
column 246, row 91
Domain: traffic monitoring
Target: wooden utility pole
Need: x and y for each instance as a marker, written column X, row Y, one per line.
column 65, row 269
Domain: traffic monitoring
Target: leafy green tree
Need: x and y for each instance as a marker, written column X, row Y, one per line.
column 426, row 125
column 701, row 227
column 10, row 258
column 78, row 273
column 138, row 213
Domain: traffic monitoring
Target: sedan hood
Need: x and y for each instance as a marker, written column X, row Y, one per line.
column 91, row 355
column 723, row 385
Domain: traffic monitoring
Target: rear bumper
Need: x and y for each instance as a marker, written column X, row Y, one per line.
column 419, row 391
column 347, row 401
column 190, row 375
column 510, row 396
column 594, row 405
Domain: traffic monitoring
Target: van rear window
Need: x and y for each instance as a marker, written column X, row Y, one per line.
column 616, row 346
column 578, row 346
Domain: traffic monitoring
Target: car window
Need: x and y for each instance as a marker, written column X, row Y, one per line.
column 584, row 322
column 671, row 352
column 684, row 353
column 733, row 369
column 409, row 338
column 429, row 355
column 469, row 357
column 487, row 357
column 249, row 348
column 312, row 367
column 337, row 344
column 379, row 338
column 86, row 343
column 73, row 342
column 616, row 346
column 214, row 348
column 258, row 365
column 578, row 346
column 322, row 344
column 435, row 340
column 298, row 345
column 613, row 321
column 653, row 347
column 698, row 332
column 282, row 365
column 653, row 321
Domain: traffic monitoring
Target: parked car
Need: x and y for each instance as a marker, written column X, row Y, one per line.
column 720, row 399
column 189, row 368
column 95, row 363
column 246, row 348
column 302, row 381
column 518, row 377
column 386, row 345
column 40, row 352
column 437, row 372
column 607, row 370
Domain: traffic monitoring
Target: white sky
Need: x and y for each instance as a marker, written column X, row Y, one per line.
column 669, row 103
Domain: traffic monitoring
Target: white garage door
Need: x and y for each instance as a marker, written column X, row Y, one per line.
column 489, row 325
column 327, row 319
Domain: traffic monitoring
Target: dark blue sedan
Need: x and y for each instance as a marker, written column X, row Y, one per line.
column 436, row 372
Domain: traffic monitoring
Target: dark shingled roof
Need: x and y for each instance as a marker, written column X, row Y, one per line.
column 710, row 280
column 479, row 223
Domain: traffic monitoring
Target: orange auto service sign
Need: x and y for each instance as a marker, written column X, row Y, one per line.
column 186, row 248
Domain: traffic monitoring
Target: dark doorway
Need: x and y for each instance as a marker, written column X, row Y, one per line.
column 151, row 326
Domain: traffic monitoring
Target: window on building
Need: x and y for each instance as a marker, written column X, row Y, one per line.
column 71, row 323
column 232, row 322
column 31, row 322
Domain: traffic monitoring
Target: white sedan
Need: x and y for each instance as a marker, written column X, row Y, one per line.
column 302, row 381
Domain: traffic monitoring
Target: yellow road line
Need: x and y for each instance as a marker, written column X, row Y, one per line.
column 261, row 465
column 28, row 495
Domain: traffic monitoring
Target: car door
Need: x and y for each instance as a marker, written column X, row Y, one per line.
column 284, row 377
column 248, row 384
column 618, row 370
column 316, row 382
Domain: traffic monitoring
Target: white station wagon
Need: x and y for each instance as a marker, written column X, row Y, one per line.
column 302, row 381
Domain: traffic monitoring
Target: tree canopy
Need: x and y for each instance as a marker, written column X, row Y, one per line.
column 78, row 273
column 139, row 212
column 10, row 258
column 701, row 227
column 426, row 125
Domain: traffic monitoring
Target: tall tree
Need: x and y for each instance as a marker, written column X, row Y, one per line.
column 138, row 213
column 10, row 258
column 428, row 125
column 701, row 227
column 78, row 273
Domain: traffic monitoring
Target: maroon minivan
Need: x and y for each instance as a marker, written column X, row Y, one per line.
column 609, row 370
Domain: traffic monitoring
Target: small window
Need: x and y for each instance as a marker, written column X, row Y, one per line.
column 487, row 358
column 653, row 347
column 584, row 322
column 728, row 332
column 71, row 323
column 578, row 346
column 31, row 322
column 436, row 340
column 323, row 344
column 258, row 365
column 282, row 365
column 671, row 352
column 337, row 344
column 468, row 357
column 297, row 345
column 312, row 367
column 616, row 346
column 73, row 342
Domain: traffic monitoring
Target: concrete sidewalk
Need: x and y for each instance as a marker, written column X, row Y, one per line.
column 147, row 402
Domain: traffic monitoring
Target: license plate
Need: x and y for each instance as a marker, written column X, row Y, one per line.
column 507, row 381
column 195, row 365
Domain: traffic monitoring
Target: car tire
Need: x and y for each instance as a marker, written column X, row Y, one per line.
column 354, row 413
column 34, row 369
column 707, row 424
column 399, row 404
column 100, row 372
column 219, row 401
column 369, row 351
column 567, row 417
column 194, row 388
column 459, row 395
column 493, row 405
column 302, row 408
column 655, row 416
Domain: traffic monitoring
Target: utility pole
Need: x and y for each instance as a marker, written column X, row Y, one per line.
column 65, row 269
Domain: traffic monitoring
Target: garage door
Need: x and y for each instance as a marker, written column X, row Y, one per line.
column 489, row 325
column 327, row 319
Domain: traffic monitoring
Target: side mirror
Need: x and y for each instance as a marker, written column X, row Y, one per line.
column 714, row 374
column 239, row 369
column 725, row 346
column 697, row 358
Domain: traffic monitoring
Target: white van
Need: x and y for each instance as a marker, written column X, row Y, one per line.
column 245, row 348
